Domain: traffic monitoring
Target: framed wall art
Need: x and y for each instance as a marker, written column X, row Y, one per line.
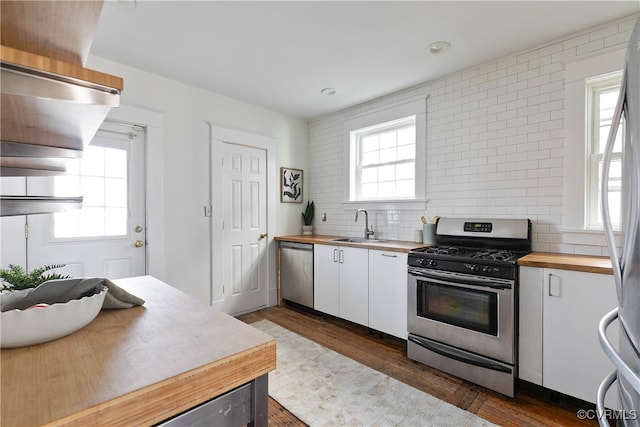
column 291, row 185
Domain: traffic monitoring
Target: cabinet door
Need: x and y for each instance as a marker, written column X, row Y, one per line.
column 325, row 278
column 573, row 361
column 388, row 292
column 354, row 284
column 530, row 325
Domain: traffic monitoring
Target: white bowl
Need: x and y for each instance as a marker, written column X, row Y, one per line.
column 37, row 325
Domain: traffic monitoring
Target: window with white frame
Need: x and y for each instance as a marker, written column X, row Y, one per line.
column 386, row 160
column 384, row 163
column 602, row 96
column 591, row 90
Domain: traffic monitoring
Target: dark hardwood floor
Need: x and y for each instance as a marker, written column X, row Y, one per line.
column 532, row 406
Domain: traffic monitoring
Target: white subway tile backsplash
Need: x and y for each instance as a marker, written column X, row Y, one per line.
column 494, row 145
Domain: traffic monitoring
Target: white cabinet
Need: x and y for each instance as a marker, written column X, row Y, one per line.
column 559, row 315
column 388, row 292
column 572, row 359
column 325, row 279
column 341, row 282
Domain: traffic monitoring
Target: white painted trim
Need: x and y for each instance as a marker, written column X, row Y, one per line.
column 219, row 135
column 417, row 107
column 154, row 173
column 575, row 130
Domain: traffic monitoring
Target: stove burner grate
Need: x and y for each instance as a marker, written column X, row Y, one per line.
column 442, row 250
column 493, row 255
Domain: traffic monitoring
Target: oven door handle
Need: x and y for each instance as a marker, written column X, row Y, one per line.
column 458, row 355
column 456, row 278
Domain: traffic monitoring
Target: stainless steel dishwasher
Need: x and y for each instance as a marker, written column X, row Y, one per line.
column 296, row 273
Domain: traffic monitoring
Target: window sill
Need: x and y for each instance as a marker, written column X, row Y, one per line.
column 399, row 205
column 579, row 236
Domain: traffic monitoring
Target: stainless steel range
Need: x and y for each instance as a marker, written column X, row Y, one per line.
column 462, row 294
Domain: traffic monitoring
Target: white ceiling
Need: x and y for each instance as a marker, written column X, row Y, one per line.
column 281, row 54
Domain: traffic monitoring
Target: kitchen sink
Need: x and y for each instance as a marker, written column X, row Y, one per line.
column 356, row 240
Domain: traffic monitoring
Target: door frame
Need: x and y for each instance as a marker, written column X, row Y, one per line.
column 154, row 195
column 217, row 137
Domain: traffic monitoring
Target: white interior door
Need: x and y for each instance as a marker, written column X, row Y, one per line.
column 106, row 238
column 245, row 281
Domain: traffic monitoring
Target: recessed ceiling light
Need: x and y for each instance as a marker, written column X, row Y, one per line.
column 439, row 47
column 328, row 91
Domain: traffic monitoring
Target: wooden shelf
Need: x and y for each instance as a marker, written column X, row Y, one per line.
column 61, row 30
column 46, row 102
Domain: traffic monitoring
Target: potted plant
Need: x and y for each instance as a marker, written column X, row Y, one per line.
column 15, row 278
column 307, row 218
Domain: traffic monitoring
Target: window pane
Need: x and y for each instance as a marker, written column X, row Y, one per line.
column 388, row 140
column 115, row 221
column 369, row 191
column 387, row 173
column 67, row 186
column 100, row 176
column 370, row 158
column 92, row 191
column 370, row 143
column 73, row 166
column 115, row 163
column 615, row 185
column 115, row 192
column 92, row 162
column 405, row 171
column 382, row 151
column 603, row 95
column 405, row 188
column 67, row 224
column 388, row 155
column 92, row 221
column 607, row 105
column 407, row 152
column 387, row 189
column 369, row 175
column 407, row 136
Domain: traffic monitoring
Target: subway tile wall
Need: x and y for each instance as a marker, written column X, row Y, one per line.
column 495, row 146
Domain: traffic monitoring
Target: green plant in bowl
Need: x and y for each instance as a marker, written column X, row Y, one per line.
column 16, row 278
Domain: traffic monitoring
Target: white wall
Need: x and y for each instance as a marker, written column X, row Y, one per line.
column 183, row 175
column 495, row 146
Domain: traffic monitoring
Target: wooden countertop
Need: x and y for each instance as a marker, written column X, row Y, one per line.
column 589, row 264
column 136, row 366
column 384, row 245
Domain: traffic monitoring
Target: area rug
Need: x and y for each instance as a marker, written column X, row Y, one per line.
column 324, row 388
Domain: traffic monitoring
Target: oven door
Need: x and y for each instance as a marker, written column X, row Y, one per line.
column 472, row 313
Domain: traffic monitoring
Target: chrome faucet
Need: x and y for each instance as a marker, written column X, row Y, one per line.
column 367, row 231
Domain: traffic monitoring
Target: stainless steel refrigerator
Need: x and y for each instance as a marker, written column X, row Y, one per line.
column 626, row 261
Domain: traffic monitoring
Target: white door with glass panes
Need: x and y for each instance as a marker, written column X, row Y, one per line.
column 106, row 237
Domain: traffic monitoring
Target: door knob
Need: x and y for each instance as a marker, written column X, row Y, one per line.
column 138, row 229
column 139, row 243
column 263, row 235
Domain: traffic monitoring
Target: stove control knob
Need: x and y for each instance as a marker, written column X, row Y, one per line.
column 432, row 263
column 486, row 269
column 421, row 261
column 475, row 268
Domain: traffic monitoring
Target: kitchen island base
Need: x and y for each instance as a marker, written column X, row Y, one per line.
column 245, row 405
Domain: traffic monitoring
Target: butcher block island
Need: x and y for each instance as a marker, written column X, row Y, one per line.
column 141, row 366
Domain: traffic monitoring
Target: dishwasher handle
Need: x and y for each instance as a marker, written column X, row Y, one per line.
column 298, row 246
